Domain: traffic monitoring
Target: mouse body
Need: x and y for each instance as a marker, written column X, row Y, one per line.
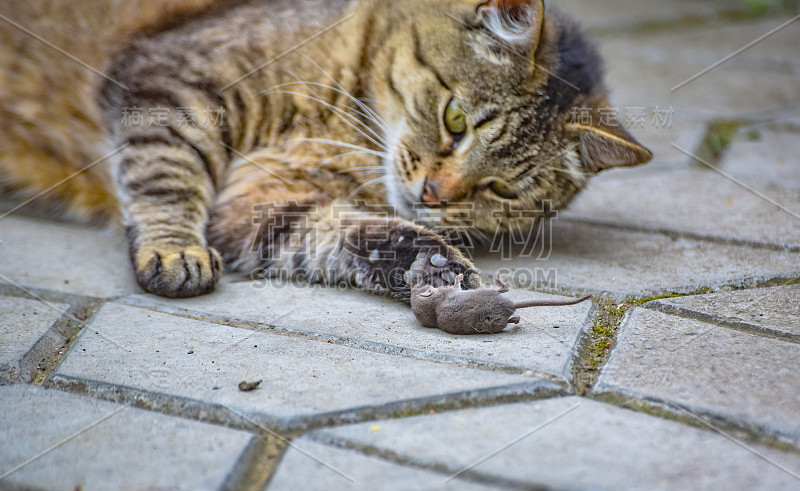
column 481, row 311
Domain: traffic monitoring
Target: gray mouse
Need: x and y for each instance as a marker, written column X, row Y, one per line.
column 480, row 311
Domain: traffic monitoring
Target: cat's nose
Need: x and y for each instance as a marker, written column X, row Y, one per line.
column 430, row 195
column 442, row 189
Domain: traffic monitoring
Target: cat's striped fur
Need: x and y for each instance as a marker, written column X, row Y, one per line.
column 296, row 137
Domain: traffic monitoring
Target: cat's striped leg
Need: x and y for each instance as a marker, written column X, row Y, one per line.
column 165, row 191
column 332, row 242
column 177, row 143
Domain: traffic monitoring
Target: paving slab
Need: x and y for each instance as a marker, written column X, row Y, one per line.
column 311, row 466
column 766, row 157
column 625, row 14
column 749, row 380
column 572, row 443
column 706, row 45
column 545, row 340
column 720, row 93
column 628, row 264
column 698, row 200
column 772, row 310
column 694, row 201
column 23, row 322
column 55, row 440
column 646, row 69
column 304, row 381
column 64, row 257
column 759, row 83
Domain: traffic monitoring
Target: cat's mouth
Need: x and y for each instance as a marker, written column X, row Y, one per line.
column 450, row 214
column 408, row 206
column 399, row 198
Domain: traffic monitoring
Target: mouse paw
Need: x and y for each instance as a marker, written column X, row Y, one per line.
column 514, row 320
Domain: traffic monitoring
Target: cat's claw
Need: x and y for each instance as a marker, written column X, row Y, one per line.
column 178, row 273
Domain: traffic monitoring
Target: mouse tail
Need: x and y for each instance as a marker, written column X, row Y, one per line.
column 550, row 303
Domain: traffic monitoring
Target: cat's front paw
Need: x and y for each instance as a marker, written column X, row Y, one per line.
column 442, row 267
column 177, row 273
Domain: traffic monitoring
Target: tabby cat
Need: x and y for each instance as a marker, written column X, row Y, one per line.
column 326, row 140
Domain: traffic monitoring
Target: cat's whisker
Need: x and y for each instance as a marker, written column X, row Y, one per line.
column 293, row 74
column 368, row 183
column 369, row 115
column 368, row 118
column 479, row 236
column 339, row 112
column 367, row 167
column 370, row 169
column 339, row 156
column 485, row 237
column 338, row 143
column 360, row 103
column 363, row 174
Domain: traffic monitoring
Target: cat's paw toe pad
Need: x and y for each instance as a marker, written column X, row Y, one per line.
column 178, row 273
column 437, row 270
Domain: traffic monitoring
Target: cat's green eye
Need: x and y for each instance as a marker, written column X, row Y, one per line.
column 454, row 118
column 501, row 189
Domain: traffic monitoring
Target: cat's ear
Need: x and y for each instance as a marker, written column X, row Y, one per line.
column 517, row 22
column 606, row 147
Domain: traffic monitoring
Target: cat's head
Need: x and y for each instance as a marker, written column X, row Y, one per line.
column 479, row 100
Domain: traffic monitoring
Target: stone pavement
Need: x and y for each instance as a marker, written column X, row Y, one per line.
column 682, row 373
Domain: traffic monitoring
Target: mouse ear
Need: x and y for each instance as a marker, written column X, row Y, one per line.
column 426, row 292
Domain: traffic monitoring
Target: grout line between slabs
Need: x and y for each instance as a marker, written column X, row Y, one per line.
column 220, row 414
column 741, row 326
column 668, row 410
